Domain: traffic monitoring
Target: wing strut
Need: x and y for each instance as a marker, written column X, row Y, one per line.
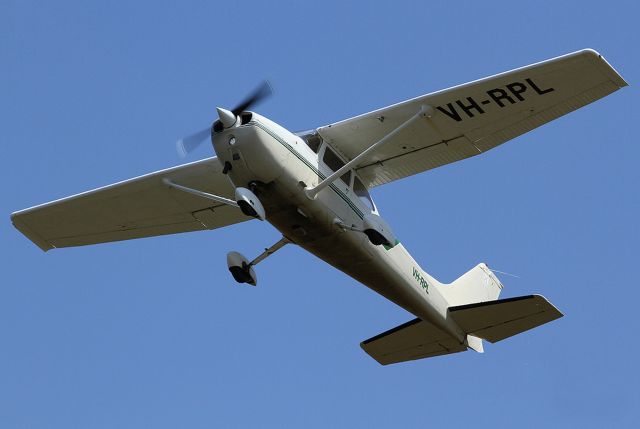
column 198, row 193
column 270, row 251
column 242, row 270
column 425, row 111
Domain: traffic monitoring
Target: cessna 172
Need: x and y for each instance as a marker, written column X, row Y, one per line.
column 314, row 188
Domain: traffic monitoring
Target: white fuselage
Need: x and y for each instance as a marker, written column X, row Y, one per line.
column 281, row 165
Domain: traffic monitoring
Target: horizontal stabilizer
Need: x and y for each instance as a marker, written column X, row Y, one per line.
column 497, row 320
column 413, row 340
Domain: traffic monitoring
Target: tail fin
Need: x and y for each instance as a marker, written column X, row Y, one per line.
column 477, row 285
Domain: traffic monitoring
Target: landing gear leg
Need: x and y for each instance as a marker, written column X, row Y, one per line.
column 242, row 270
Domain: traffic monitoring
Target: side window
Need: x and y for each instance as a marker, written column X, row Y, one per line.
column 346, row 178
column 361, row 191
column 333, row 162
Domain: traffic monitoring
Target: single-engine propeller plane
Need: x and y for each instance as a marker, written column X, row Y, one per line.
column 314, row 186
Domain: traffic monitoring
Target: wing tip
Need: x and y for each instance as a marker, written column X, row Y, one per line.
column 610, row 72
column 552, row 309
column 35, row 238
column 591, row 51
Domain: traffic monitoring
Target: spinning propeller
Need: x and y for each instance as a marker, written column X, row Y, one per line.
column 187, row 144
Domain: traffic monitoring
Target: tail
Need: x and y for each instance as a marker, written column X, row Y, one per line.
column 474, row 305
column 479, row 284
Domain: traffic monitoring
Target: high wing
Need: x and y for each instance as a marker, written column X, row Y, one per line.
column 469, row 119
column 140, row 207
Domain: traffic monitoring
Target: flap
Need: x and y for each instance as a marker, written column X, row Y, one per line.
column 497, row 320
column 413, row 340
column 139, row 207
column 469, row 119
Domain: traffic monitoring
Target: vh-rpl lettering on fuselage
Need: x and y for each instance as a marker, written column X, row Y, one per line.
column 503, row 96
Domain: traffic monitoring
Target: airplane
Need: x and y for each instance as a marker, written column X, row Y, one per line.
column 313, row 187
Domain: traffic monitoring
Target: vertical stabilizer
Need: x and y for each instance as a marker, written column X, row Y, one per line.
column 479, row 284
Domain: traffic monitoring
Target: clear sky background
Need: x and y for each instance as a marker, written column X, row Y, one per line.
column 155, row 332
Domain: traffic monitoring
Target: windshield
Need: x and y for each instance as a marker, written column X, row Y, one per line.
column 311, row 138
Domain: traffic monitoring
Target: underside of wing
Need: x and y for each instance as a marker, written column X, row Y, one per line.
column 413, row 340
column 496, row 320
column 470, row 119
column 141, row 207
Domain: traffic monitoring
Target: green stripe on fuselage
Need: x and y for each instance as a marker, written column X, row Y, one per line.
column 311, row 167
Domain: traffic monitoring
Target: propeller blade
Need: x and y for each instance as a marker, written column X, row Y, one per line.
column 188, row 144
column 260, row 93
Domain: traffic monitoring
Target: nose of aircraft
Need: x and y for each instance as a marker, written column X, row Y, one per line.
column 226, row 117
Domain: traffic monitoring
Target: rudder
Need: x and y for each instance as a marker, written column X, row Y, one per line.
column 479, row 284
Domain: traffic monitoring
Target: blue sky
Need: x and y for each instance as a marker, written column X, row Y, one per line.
column 155, row 333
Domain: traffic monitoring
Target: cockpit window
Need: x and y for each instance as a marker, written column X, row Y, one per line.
column 333, row 162
column 361, row 191
column 312, row 139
